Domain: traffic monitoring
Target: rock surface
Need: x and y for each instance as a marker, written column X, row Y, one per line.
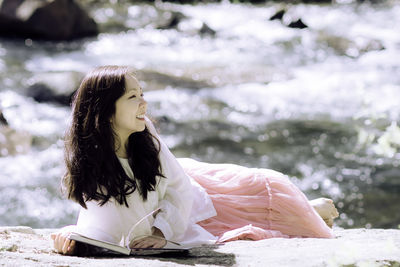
column 52, row 19
column 13, row 142
column 3, row 120
column 55, row 87
column 23, row 246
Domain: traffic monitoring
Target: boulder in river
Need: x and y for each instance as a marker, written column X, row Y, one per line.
column 206, row 30
column 157, row 81
column 176, row 20
column 288, row 19
column 278, row 15
column 298, row 24
column 55, row 87
column 50, row 19
column 3, row 120
column 170, row 20
column 345, row 46
column 42, row 93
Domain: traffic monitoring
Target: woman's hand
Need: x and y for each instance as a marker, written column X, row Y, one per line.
column 157, row 240
column 62, row 244
column 149, row 242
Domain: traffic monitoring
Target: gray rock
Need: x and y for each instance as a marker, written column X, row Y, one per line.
column 17, row 229
column 61, row 82
column 55, row 87
column 3, row 120
column 346, row 47
column 51, row 19
column 13, row 142
column 353, row 247
column 42, row 93
column 170, row 20
column 157, row 80
column 278, row 15
column 206, row 30
column 297, row 24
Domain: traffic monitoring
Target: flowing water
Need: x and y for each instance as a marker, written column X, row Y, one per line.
column 320, row 104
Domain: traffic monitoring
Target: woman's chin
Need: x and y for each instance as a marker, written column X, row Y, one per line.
column 141, row 129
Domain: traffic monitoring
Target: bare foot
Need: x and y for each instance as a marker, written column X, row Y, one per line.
column 326, row 209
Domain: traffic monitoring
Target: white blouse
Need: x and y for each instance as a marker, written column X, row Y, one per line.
column 182, row 202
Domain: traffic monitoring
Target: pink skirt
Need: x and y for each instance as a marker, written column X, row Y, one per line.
column 255, row 203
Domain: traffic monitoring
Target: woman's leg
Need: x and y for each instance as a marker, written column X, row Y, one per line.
column 258, row 197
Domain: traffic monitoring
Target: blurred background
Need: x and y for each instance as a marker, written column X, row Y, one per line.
column 310, row 89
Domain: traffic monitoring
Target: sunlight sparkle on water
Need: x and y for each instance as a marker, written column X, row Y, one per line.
column 315, row 103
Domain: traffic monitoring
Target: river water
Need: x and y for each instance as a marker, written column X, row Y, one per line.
column 320, row 104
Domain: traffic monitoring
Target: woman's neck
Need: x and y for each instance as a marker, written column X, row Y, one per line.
column 120, row 150
column 121, row 155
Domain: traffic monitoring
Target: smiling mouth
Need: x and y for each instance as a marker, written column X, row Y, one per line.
column 140, row 117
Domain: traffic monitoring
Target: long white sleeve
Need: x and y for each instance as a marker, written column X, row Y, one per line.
column 182, row 201
column 101, row 222
column 175, row 194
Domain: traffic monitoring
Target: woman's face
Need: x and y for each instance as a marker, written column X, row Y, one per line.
column 130, row 110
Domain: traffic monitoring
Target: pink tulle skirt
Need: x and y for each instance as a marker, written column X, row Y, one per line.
column 255, row 203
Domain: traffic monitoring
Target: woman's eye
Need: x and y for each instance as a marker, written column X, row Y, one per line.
column 134, row 96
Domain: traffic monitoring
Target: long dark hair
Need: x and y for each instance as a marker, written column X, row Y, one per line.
column 93, row 171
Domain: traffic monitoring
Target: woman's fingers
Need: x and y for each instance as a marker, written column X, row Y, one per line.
column 57, row 242
column 143, row 243
column 134, row 243
column 160, row 244
column 53, row 235
column 62, row 244
column 65, row 246
column 149, row 242
column 71, row 247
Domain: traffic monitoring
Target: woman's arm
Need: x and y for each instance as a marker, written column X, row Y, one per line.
column 175, row 194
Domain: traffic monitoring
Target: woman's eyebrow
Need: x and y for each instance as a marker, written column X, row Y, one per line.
column 134, row 91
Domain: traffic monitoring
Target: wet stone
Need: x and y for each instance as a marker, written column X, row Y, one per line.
column 12, row 248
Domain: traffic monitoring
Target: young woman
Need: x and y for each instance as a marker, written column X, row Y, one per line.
column 133, row 191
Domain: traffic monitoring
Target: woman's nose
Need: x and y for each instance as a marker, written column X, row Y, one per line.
column 143, row 101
